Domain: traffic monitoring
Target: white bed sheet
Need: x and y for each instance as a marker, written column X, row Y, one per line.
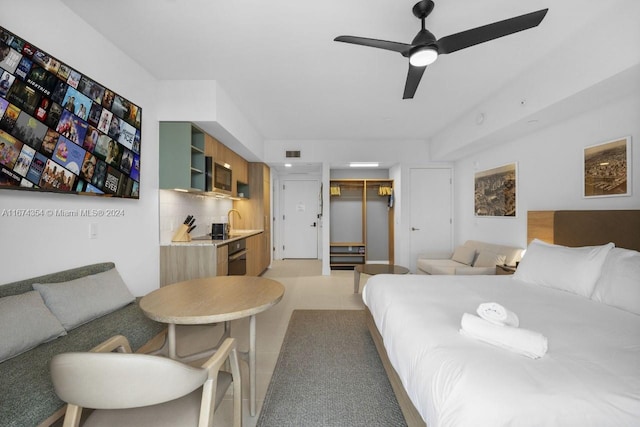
column 590, row 375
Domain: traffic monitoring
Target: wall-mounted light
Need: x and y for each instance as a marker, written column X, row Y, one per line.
column 227, row 165
column 287, row 165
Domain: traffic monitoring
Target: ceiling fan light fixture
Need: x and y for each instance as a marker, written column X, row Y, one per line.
column 423, row 56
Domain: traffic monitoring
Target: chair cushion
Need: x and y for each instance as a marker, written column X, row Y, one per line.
column 443, row 269
column 488, row 259
column 79, row 301
column 180, row 412
column 26, row 322
column 428, row 265
column 512, row 254
column 464, row 255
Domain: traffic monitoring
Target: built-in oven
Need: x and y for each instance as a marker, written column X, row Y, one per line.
column 237, row 258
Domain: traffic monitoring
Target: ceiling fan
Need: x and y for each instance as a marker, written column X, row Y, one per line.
column 424, row 49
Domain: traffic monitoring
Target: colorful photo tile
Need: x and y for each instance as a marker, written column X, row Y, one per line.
column 62, row 131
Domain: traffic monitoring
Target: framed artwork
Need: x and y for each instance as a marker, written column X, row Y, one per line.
column 495, row 191
column 60, row 130
column 607, row 169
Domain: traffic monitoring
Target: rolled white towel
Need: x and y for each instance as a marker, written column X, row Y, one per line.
column 522, row 341
column 498, row 314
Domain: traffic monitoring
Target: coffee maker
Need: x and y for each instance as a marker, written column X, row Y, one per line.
column 219, row 231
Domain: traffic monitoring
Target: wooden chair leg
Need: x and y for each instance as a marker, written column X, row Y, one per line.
column 237, row 389
column 72, row 416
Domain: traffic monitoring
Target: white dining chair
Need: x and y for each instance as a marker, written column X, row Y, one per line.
column 126, row 389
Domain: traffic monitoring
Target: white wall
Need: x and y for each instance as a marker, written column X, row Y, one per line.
column 549, row 164
column 205, row 103
column 340, row 153
column 590, row 58
column 35, row 245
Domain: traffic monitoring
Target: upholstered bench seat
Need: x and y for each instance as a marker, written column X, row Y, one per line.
column 28, row 398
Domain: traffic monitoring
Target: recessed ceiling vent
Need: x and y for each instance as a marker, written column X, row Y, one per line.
column 292, row 154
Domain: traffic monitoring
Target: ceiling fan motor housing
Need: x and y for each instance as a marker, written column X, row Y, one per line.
column 424, row 38
column 423, row 8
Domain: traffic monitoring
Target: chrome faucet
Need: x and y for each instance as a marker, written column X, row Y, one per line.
column 229, row 219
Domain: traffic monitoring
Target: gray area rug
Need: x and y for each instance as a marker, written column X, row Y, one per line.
column 329, row 374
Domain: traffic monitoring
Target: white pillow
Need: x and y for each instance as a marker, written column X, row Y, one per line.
column 574, row 270
column 81, row 300
column 464, row 255
column 489, row 259
column 619, row 283
column 26, row 323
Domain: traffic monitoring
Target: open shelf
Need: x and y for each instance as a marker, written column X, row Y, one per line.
column 346, row 255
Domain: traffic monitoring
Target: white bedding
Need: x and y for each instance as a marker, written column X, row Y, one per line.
column 590, row 375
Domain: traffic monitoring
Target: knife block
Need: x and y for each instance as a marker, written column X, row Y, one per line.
column 182, row 234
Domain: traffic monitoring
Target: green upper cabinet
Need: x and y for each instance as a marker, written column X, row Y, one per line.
column 182, row 159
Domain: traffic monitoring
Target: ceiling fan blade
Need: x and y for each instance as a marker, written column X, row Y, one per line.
column 413, row 80
column 380, row 44
column 489, row 32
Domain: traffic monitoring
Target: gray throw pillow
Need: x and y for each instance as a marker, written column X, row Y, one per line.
column 81, row 300
column 26, row 323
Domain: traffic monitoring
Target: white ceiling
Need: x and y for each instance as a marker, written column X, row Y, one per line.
column 278, row 62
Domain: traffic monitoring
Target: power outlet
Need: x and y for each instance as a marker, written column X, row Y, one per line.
column 93, row 230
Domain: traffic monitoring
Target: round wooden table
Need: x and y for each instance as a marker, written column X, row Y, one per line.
column 372, row 270
column 213, row 300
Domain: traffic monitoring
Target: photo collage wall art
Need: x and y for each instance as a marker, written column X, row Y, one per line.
column 62, row 131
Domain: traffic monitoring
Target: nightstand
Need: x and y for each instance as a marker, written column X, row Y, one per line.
column 502, row 270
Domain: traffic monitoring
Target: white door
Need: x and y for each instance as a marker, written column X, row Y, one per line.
column 300, row 219
column 430, row 213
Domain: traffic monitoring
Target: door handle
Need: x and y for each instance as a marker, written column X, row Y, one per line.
column 415, row 229
column 313, row 225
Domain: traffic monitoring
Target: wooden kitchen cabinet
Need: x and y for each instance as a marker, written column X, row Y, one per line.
column 222, row 265
column 185, row 262
column 255, row 255
column 256, row 211
column 221, row 154
column 240, row 170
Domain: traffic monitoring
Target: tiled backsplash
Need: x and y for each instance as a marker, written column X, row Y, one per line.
column 175, row 206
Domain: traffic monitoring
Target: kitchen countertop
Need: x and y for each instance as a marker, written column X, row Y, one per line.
column 203, row 241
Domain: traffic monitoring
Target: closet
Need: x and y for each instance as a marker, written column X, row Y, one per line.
column 361, row 222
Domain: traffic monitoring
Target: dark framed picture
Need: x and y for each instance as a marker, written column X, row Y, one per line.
column 607, row 169
column 61, row 130
column 495, row 191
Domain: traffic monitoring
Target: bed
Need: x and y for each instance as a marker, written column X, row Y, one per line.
column 590, row 374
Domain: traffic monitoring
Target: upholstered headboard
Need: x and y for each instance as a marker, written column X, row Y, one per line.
column 586, row 228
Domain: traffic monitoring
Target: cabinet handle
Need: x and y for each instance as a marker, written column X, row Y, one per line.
column 238, row 255
column 415, row 229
